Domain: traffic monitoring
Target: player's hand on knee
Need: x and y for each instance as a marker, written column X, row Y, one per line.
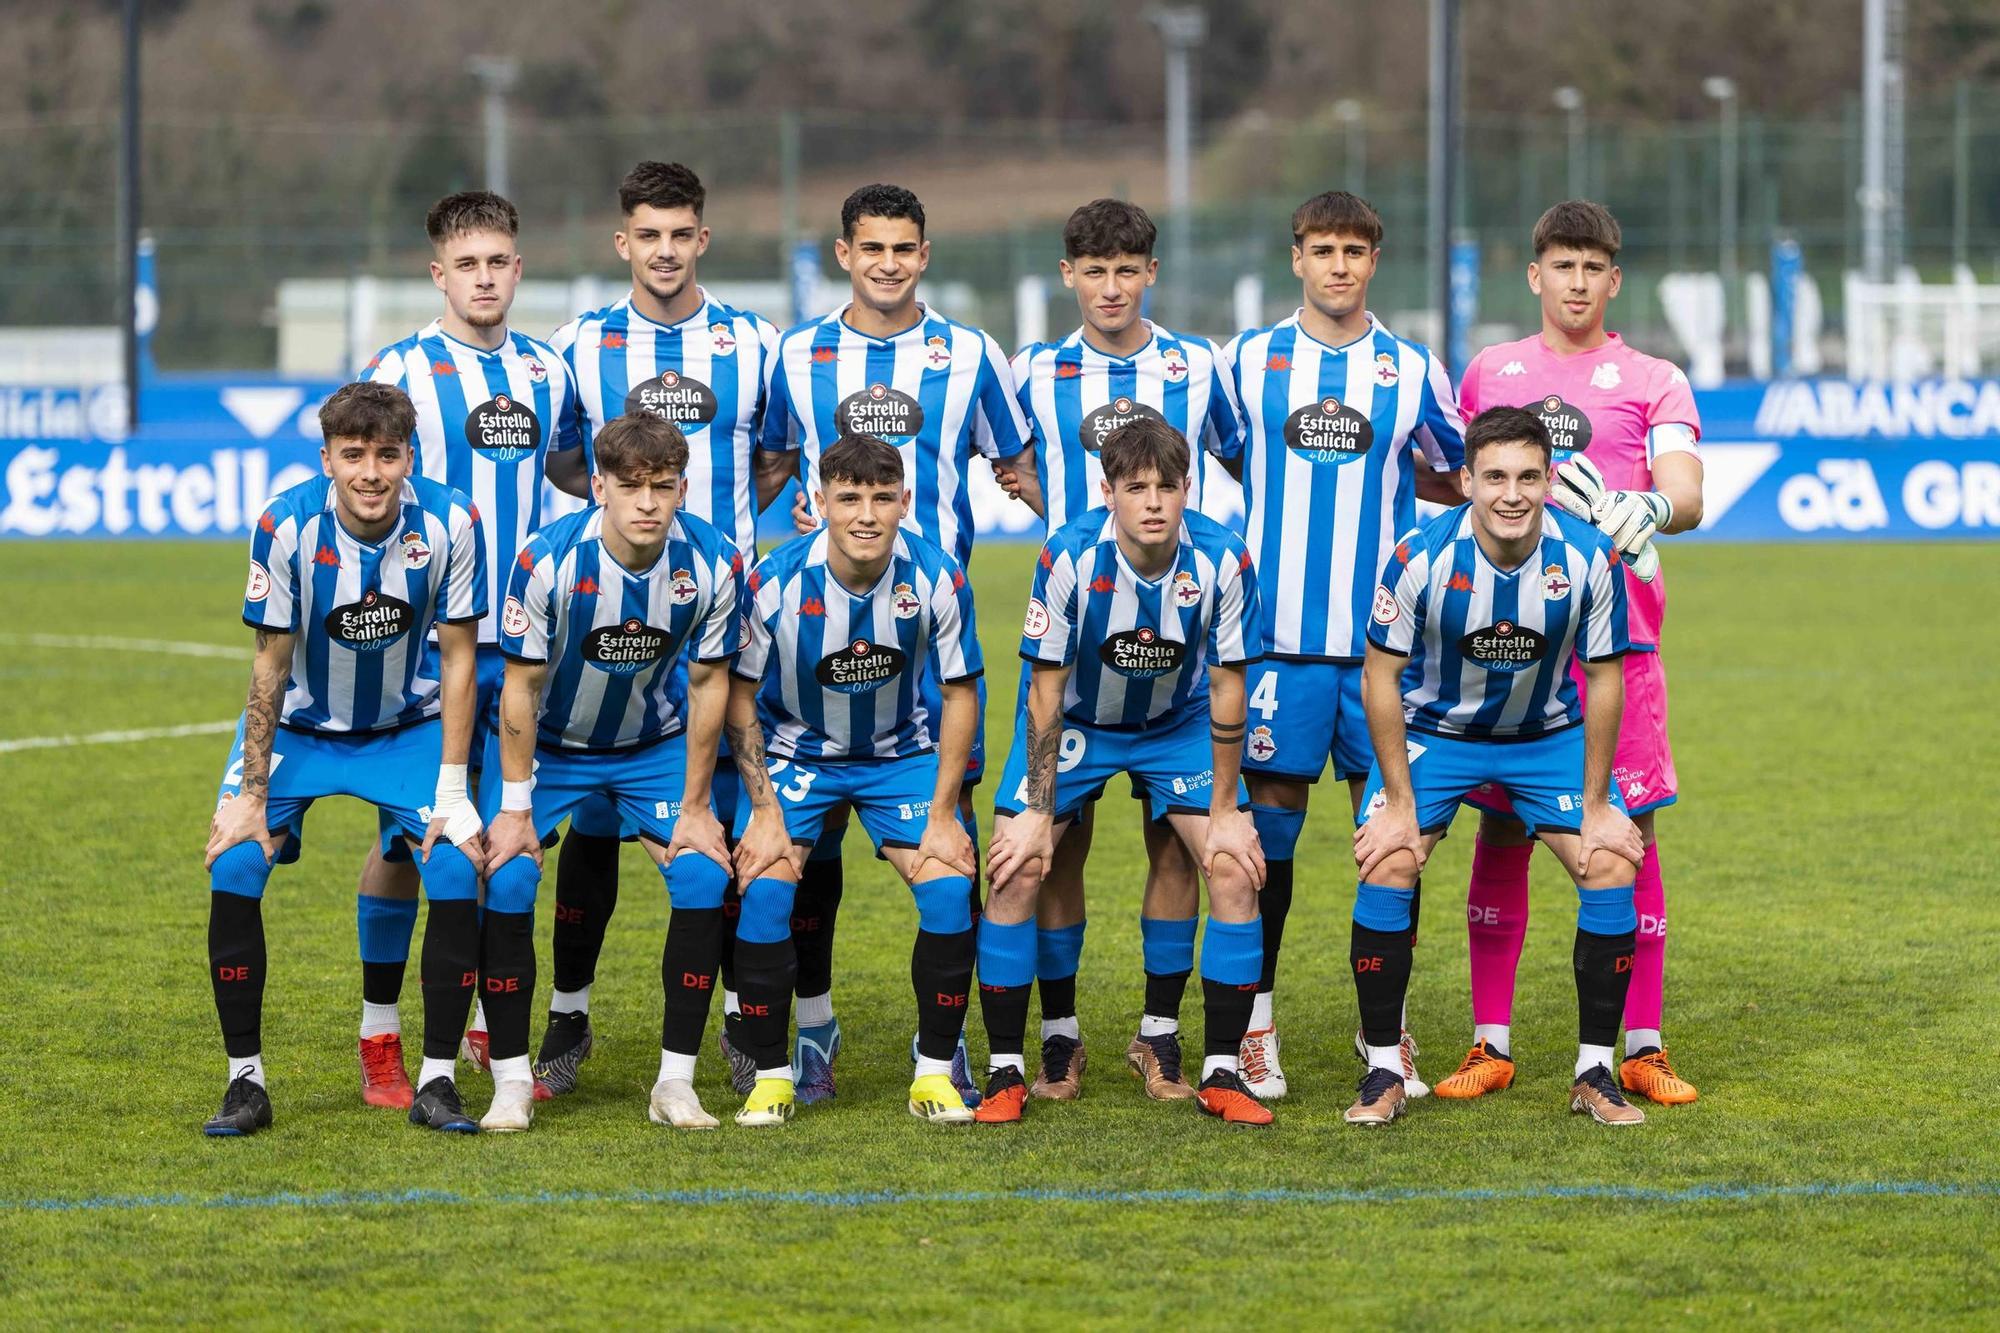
column 240, row 819
column 946, row 841
column 1021, row 844
column 764, row 844
column 1231, row 834
column 698, row 830
column 1608, row 830
column 511, row 834
column 1390, row 829
column 1578, row 488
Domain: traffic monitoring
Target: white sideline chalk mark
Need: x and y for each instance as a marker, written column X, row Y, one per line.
column 117, row 737
column 114, row 644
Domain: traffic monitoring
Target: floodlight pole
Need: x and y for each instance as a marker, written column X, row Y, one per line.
column 1881, row 139
column 1352, row 115
column 1570, row 101
column 1444, row 115
column 1723, row 90
column 496, row 74
column 1182, row 28
column 128, row 215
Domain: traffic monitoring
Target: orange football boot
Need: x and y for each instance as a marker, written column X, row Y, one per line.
column 1484, row 1070
column 1649, row 1075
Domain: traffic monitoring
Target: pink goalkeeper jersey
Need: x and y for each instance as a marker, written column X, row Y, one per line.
column 1605, row 404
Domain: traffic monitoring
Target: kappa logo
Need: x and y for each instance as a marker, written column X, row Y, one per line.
column 825, row 356
column 1279, row 362
column 1459, row 583
column 416, row 551
column 259, row 586
column 327, row 556
column 1606, row 376
column 1555, row 583
column 1187, row 591
column 443, row 368
column 1262, row 745
column 611, row 341
column 1104, row 583
column 585, row 587
column 1513, row 368
column 1068, row 370
column 904, row 599
column 682, row 589
column 812, row 606
column 1033, row 626
column 721, row 338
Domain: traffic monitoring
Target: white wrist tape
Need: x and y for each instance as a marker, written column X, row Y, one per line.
column 517, row 795
column 450, row 785
column 461, row 821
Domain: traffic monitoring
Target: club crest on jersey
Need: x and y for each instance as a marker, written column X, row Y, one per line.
column 904, row 599
column 861, row 667
column 1187, row 589
column 720, row 338
column 1173, row 365
column 1386, row 372
column 537, row 372
column 1034, row 625
column 1568, row 427
column 1141, row 653
column 416, row 551
column 1504, row 646
column 1263, row 746
column 1606, row 376
column 683, row 588
column 1095, row 428
column 503, row 428
column 1386, row 610
column 259, row 586
column 624, row 648
column 371, row 624
column 1328, row 432
column 514, row 618
column 1555, row 583
column 937, row 351
column 880, row 410
column 681, row 399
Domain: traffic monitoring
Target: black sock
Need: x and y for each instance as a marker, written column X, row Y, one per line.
column 507, row 979
column 687, row 972
column 1381, row 960
column 1225, row 1011
column 941, row 975
column 1416, row 909
column 236, row 970
column 732, row 908
column 1058, row 997
column 814, row 908
column 1005, row 1009
column 586, row 896
column 564, row 1032
column 447, row 972
column 1603, row 974
column 765, row 974
column 382, row 983
column 1274, row 903
column 1163, row 994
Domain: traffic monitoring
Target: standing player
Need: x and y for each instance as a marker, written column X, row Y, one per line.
column 667, row 348
column 888, row 366
column 496, row 411
column 1349, row 426
column 348, row 573
column 1473, row 628
column 1625, row 430
column 1116, row 368
column 606, row 609
column 1167, row 599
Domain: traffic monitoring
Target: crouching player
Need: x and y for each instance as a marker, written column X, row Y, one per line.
column 600, row 608
column 1168, row 600
column 844, row 625
column 1466, row 683
column 349, row 572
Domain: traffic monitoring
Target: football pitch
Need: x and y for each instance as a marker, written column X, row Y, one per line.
column 1831, row 988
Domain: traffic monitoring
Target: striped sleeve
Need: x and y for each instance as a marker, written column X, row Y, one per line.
column 765, row 590
column 780, row 433
column 1226, row 377
column 1235, row 631
column 1604, row 634
column 527, row 621
column 386, row 367
column 1398, row 614
column 571, row 430
column 1440, row 430
column 1468, row 387
column 954, row 632
column 271, row 597
column 718, row 637
column 1049, row 633
column 1022, row 369
column 767, row 357
column 1223, row 431
column 462, row 596
column 1000, row 431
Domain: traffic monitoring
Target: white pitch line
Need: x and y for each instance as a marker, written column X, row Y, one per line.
column 117, row 737
column 111, row 643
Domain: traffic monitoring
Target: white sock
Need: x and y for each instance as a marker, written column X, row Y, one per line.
column 1149, row 1026
column 251, row 1065
column 730, row 1006
column 1589, row 1057
column 783, row 1073
column 1638, row 1039
column 380, row 1019
column 570, row 1001
column 1061, row 1027
column 927, row 1066
column 478, row 1015
column 1387, row 1057
column 436, row 1069
column 1212, row 1063
column 1260, row 1011
column 1018, row 1063
column 676, row 1066
column 514, row 1069
column 1493, row 1034
column 814, row 1010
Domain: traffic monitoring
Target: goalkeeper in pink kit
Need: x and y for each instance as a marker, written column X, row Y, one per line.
column 1625, row 432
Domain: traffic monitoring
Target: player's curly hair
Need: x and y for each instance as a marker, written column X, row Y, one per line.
column 367, row 410
column 1336, row 213
column 1145, row 444
column 865, row 460
column 470, row 211
column 1105, row 227
column 661, row 185
column 1578, row 224
column 1506, row 425
column 640, row 444
column 880, row 201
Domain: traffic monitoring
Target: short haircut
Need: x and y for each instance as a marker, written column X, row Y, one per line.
column 366, row 410
column 1105, row 227
column 1336, row 212
column 880, row 201
column 470, row 211
column 662, row 185
column 1145, row 444
column 640, row 444
column 865, row 460
column 1578, row 224
column 1506, row 425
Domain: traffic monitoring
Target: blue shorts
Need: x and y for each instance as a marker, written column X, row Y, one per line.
column 1543, row 777
column 1139, row 792
column 395, row 771
column 933, row 697
column 1301, row 714
column 892, row 796
column 490, row 671
column 642, row 787
column 1175, row 762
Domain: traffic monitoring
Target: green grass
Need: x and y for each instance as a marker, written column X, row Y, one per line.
column 1831, row 988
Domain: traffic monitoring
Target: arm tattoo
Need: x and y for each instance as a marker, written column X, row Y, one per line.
column 260, row 717
column 746, row 746
column 1043, row 742
column 508, row 723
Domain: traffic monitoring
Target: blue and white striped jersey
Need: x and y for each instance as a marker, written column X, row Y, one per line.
column 361, row 611
column 705, row 374
column 1334, row 436
column 1074, row 395
column 842, row 671
column 1141, row 649
column 486, row 424
column 613, row 638
column 939, row 391
column 1490, row 649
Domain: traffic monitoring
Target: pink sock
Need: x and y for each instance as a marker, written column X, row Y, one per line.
column 1645, row 999
column 1496, row 921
